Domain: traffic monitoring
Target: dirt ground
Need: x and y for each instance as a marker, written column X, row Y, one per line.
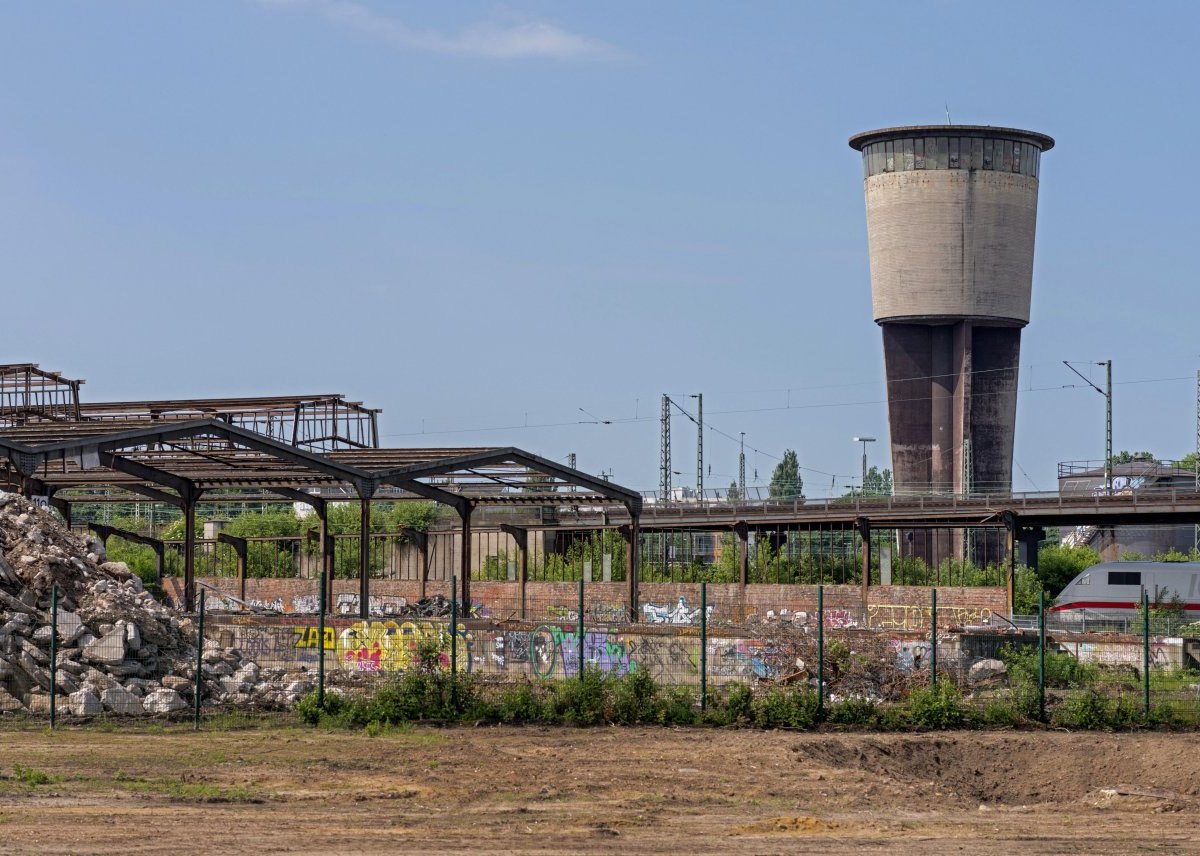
column 279, row 788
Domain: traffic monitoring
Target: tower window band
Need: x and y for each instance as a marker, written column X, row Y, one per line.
column 908, row 153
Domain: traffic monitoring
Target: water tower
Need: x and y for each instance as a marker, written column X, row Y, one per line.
column 951, row 216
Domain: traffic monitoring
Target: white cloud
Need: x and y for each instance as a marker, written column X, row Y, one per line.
column 485, row 40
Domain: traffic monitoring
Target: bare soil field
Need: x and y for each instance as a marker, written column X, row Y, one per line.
column 279, row 788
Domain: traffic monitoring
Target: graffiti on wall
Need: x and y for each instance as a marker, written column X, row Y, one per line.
column 348, row 604
column 553, row 652
column 598, row 613
column 911, row 655
column 665, row 658
column 1163, row 655
column 388, row 646
column 895, row 616
column 680, row 613
column 744, row 659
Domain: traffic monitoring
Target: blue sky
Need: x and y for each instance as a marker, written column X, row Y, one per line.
column 484, row 215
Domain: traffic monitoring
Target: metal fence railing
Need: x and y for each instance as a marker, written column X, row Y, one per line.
column 773, row 555
column 212, row 662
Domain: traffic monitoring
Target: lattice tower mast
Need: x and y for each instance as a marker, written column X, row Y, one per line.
column 742, row 461
column 664, row 451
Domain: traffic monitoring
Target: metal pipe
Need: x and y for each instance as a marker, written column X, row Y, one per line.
column 704, row 645
column 321, row 607
column 1145, row 653
column 820, row 653
column 1041, row 655
column 579, row 629
column 933, row 636
column 53, row 655
column 364, row 558
column 199, row 665
column 453, row 634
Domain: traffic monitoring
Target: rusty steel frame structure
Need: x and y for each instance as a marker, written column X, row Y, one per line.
column 31, row 395
column 177, row 462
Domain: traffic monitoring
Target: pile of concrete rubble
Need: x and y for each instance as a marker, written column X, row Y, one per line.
column 119, row 650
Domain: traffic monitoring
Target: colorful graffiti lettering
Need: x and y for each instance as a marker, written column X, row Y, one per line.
column 348, row 604
column 886, row 616
column 665, row 658
column 911, row 655
column 386, row 646
column 840, row 619
column 552, row 650
column 310, row 637
column 745, row 659
column 679, row 614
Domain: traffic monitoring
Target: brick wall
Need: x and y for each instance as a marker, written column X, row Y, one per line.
column 892, row 607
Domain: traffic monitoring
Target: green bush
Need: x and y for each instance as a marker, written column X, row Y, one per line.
column 1125, row 712
column 780, row 708
column 583, row 700
column 937, row 707
column 1062, row 670
column 894, row 717
column 636, row 699
column 1083, row 710
column 740, row 703
column 336, row 706
column 678, row 707
column 525, row 702
column 1007, row 710
column 854, row 711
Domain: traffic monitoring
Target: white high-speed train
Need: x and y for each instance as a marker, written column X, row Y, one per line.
column 1116, row 587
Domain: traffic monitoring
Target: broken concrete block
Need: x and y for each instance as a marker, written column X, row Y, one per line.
column 109, row 649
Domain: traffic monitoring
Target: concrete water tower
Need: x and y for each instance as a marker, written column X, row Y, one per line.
column 951, row 215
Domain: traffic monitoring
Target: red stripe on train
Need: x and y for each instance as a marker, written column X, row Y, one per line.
column 1111, row 604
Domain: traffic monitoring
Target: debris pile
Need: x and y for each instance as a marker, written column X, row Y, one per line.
column 119, row 650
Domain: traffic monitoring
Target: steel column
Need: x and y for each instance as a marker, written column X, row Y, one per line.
column 240, row 549
column 189, row 554
column 364, row 558
column 633, row 565
column 520, row 537
column 421, row 542
column 863, row 525
column 465, row 556
column 325, row 545
column 743, row 533
column 1010, row 521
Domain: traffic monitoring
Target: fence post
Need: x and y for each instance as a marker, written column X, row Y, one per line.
column 933, row 636
column 453, row 630
column 53, row 655
column 199, row 664
column 580, row 628
column 820, row 653
column 321, row 606
column 704, row 646
column 1042, row 655
column 1145, row 653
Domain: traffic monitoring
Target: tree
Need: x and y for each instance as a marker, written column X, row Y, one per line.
column 539, row 483
column 1058, row 564
column 785, row 480
column 734, row 493
column 879, row 483
column 1126, row 457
